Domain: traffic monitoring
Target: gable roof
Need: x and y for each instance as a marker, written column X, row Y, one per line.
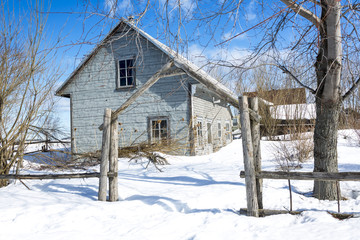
column 179, row 61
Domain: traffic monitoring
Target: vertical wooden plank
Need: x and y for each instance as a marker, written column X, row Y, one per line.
column 72, row 131
column 255, row 134
column 113, row 166
column 105, row 151
column 192, row 124
column 250, row 180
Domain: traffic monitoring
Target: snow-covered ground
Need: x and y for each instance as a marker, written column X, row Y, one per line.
column 193, row 198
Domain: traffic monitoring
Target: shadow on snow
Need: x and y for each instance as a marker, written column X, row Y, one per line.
column 180, row 180
column 169, row 204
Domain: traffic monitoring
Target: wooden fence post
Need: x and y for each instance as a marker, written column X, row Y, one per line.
column 105, row 151
column 255, row 134
column 250, row 180
column 113, row 166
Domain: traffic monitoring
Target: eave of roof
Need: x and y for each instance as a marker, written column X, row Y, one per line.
column 85, row 60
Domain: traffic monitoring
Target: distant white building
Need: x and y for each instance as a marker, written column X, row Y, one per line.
column 293, row 111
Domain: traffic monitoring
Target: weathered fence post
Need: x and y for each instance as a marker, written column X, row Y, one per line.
column 105, row 153
column 255, row 134
column 113, row 166
column 250, row 180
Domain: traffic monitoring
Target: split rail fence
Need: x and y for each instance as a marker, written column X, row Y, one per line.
column 109, row 148
column 250, row 127
column 108, row 164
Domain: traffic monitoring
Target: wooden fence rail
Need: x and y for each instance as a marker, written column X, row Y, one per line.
column 324, row 176
column 49, row 176
column 47, row 141
column 252, row 163
column 108, row 164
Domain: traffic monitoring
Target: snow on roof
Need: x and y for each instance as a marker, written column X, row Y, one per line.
column 266, row 102
column 293, row 111
column 181, row 60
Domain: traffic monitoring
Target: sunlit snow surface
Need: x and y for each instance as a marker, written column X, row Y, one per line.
column 193, row 198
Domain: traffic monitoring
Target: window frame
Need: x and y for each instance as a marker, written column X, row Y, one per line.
column 219, row 129
column 159, row 139
column 126, row 69
column 199, row 132
column 228, row 130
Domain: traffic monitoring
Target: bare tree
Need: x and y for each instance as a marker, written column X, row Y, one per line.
column 324, row 37
column 313, row 42
column 27, row 78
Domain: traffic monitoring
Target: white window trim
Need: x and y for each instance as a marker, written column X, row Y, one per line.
column 118, row 83
column 153, row 138
column 228, row 131
column 219, row 132
column 200, row 139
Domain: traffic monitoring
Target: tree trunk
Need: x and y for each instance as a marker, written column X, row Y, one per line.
column 3, row 171
column 325, row 148
column 5, row 163
column 4, row 182
column 328, row 101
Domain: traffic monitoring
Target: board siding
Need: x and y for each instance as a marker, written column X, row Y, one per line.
column 206, row 110
column 94, row 88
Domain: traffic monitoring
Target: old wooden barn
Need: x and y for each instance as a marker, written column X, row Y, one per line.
column 186, row 106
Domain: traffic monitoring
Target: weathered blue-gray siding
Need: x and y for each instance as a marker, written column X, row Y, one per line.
column 208, row 108
column 94, row 88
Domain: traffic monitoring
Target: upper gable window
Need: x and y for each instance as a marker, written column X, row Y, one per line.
column 126, row 73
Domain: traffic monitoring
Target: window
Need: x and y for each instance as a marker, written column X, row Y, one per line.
column 219, row 129
column 199, row 132
column 159, row 132
column 227, row 129
column 126, row 73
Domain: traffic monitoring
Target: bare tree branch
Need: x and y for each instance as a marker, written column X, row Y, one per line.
column 349, row 7
column 351, row 90
column 303, row 12
column 285, row 70
column 316, row 2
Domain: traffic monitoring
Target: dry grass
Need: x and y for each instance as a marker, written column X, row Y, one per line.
column 150, row 157
column 146, row 154
column 56, row 160
column 289, row 155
